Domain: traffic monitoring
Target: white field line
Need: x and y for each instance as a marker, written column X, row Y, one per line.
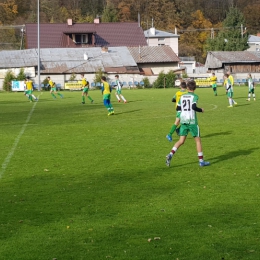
column 11, row 152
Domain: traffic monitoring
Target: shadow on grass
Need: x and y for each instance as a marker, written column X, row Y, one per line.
column 131, row 111
column 232, row 155
column 217, row 134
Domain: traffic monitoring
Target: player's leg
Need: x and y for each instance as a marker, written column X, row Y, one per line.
column 89, row 97
column 174, row 127
column 123, row 98
column 249, row 95
column 253, row 93
column 117, row 95
column 83, row 97
column 111, row 107
column 53, row 95
column 195, row 131
column 59, row 94
column 215, row 90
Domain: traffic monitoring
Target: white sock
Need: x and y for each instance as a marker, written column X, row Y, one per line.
column 123, row 98
column 118, row 98
column 230, row 102
column 34, row 97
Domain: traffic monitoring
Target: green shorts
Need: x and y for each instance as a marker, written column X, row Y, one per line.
column 53, row 89
column 106, row 96
column 252, row 90
column 28, row 92
column 119, row 92
column 230, row 94
column 193, row 129
column 85, row 90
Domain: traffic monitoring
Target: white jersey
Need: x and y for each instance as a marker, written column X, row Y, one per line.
column 250, row 84
column 188, row 115
column 118, row 85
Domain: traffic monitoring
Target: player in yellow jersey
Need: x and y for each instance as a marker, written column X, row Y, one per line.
column 231, row 79
column 29, row 88
column 85, row 86
column 106, row 91
column 176, row 99
column 53, row 89
column 213, row 80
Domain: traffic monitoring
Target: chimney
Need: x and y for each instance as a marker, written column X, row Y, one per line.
column 69, row 21
column 152, row 31
column 97, row 20
column 104, row 49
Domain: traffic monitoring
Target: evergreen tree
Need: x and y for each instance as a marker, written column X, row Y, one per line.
column 230, row 38
column 109, row 13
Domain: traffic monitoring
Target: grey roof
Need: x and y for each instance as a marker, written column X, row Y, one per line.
column 159, row 34
column 236, row 56
column 216, row 59
column 153, row 54
column 253, row 39
column 70, row 60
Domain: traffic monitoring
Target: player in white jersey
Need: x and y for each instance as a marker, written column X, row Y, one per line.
column 187, row 105
column 251, row 87
column 229, row 90
column 119, row 90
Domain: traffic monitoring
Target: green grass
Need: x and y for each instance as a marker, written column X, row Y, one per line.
column 77, row 184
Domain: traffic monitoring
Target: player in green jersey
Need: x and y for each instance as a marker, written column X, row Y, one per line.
column 251, row 87
column 85, row 86
column 176, row 99
column 187, row 105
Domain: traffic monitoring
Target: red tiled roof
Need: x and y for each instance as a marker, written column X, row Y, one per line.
column 151, row 54
column 106, row 34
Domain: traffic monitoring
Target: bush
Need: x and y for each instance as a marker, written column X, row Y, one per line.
column 21, row 75
column 7, row 84
column 98, row 75
column 147, row 83
column 165, row 80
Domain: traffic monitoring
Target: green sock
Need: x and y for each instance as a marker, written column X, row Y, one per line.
column 172, row 129
column 59, row 94
column 53, row 95
column 90, row 98
column 30, row 97
column 83, row 99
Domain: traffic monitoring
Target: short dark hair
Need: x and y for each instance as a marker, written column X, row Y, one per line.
column 27, row 77
column 183, row 84
column 191, row 85
column 116, row 76
column 213, row 73
column 104, row 78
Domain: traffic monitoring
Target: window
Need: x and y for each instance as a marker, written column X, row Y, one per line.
column 80, row 38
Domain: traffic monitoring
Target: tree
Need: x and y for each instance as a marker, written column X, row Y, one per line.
column 9, row 76
column 109, row 14
column 196, row 36
column 251, row 14
column 21, row 75
column 230, row 38
column 8, row 11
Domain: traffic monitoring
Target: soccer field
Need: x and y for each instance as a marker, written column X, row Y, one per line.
column 78, row 184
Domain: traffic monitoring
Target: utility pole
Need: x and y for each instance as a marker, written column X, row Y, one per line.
column 212, row 33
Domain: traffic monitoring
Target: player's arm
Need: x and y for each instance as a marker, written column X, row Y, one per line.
column 174, row 99
column 197, row 109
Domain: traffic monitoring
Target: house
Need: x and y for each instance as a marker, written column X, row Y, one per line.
column 160, row 38
column 82, row 35
column 239, row 63
column 152, row 60
column 61, row 63
column 254, row 43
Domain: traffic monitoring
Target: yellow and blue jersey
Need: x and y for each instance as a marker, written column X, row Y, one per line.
column 106, row 88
